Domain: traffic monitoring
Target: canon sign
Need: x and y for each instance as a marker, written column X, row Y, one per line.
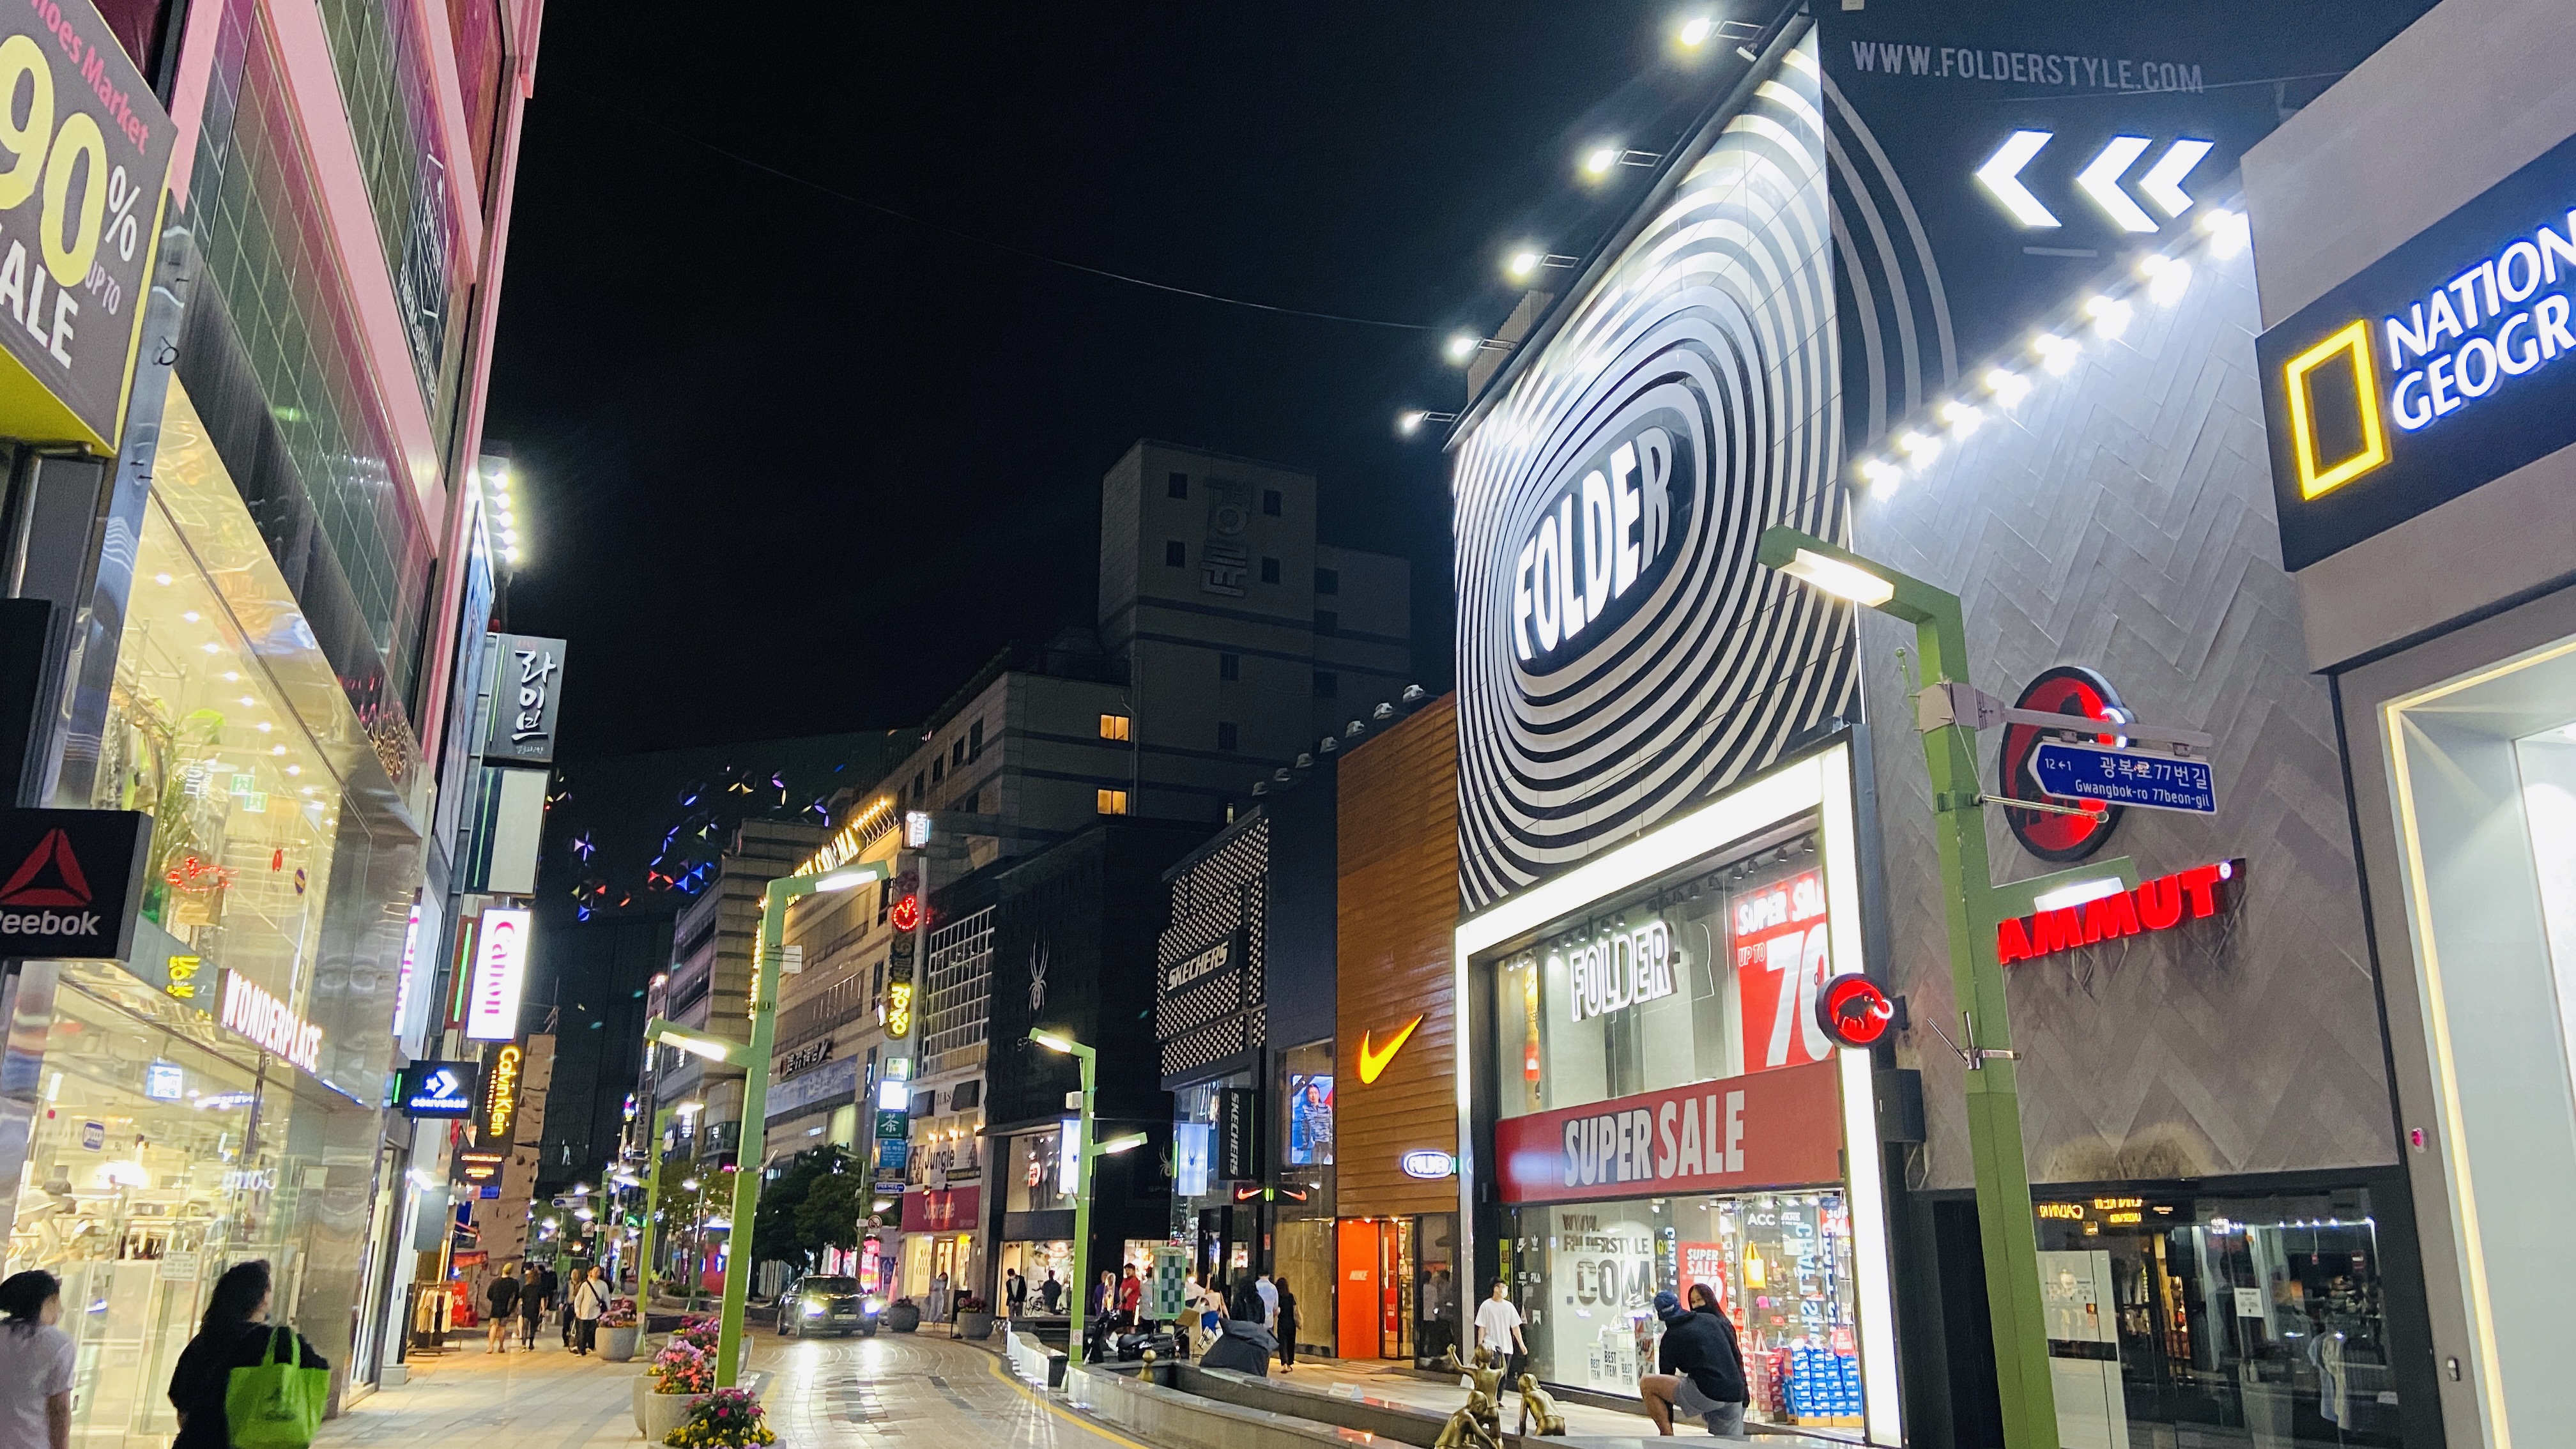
column 1602, row 536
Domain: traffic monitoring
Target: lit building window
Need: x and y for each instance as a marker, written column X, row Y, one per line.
column 1114, row 726
column 1113, row 802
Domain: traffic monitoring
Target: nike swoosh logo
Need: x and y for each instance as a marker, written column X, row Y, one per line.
column 1373, row 1063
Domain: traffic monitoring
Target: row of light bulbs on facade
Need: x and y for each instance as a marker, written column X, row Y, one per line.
column 2165, row 280
column 497, row 509
column 1523, row 263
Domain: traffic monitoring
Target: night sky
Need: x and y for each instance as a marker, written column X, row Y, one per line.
column 791, row 464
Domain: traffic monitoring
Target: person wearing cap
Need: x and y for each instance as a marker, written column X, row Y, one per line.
column 1698, row 1372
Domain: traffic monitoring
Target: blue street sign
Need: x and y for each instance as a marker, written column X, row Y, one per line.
column 2124, row 777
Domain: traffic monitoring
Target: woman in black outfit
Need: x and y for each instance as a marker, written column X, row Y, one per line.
column 235, row 1334
column 1287, row 1331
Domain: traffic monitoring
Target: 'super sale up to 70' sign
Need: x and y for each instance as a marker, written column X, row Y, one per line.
column 84, row 150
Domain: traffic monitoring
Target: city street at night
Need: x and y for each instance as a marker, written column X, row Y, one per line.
column 1462, row 722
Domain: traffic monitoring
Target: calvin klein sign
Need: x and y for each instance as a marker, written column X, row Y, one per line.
column 1600, row 544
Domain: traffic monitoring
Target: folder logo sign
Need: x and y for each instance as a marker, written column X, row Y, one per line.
column 69, row 881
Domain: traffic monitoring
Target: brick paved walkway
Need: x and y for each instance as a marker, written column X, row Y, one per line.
column 891, row 1391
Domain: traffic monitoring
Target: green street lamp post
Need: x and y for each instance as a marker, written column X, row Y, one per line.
column 652, row 1204
column 1085, row 1150
column 753, row 1058
column 1974, row 907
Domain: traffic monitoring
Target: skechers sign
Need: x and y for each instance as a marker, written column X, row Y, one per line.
column 1600, row 544
column 2442, row 366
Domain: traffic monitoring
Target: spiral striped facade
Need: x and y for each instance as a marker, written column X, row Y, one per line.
column 1605, row 681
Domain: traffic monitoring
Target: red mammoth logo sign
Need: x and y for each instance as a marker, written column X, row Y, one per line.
column 2049, row 834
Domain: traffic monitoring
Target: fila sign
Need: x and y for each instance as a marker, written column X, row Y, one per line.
column 70, row 881
column 2157, row 905
column 2439, row 367
column 500, row 970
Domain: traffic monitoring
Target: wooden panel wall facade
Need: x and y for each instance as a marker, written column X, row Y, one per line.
column 1398, row 882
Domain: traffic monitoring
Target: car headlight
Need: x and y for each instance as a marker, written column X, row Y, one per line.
column 813, row 1310
column 874, row 1305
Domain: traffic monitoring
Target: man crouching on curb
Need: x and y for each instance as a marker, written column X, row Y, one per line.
column 1699, row 1373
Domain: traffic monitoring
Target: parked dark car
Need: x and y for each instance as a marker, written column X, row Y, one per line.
column 826, row 1303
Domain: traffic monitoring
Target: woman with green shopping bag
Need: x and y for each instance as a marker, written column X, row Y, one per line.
column 241, row 1384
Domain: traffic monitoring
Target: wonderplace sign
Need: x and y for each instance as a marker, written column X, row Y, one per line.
column 2438, row 368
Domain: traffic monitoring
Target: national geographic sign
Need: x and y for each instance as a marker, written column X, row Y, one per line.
column 2443, row 365
column 84, row 151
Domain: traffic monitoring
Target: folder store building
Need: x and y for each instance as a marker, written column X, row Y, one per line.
column 1691, row 789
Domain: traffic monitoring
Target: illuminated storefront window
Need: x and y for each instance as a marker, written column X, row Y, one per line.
column 1669, row 1112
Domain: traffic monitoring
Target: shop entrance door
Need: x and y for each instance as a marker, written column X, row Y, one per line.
column 1356, row 1305
column 1381, row 1287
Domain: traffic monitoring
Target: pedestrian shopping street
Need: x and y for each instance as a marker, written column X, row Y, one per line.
column 927, row 1388
column 819, row 1392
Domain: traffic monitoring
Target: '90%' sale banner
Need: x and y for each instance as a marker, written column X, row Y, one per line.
column 84, row 152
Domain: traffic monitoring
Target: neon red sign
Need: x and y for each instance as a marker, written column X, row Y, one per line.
column 2158, row 905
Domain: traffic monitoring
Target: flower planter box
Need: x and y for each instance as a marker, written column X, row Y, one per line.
column 975, row 1325
column 617, row 1345
column 903, row 1317
column 666, row 1412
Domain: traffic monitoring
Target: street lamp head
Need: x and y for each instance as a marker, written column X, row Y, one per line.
column 1601, row 159
column 842, row 880
column 1461, row 346
column 1050, row 1040
column 1121, row 1144
column 1522, row 264
column 1840, row 579
column 1695, row 31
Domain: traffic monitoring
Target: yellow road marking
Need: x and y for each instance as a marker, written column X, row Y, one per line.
column 1061, row 1412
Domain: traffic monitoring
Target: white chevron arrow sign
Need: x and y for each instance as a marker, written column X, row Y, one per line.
column 2163, row 181
column 2099, row 180
column 2001, row 175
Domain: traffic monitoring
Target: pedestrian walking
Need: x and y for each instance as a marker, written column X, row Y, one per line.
column 1286, row 1328
column 532, row 1306
column 36, row 1360
column 1498, row 1327
column 1131, row 1299
column 501, row 1295
column 1104, row 1297
column 235, row 1334
column 1698, row 1371
column 584, row 1304
column 1051, row 1292
column 1269, row 1302
column 1211, row 1307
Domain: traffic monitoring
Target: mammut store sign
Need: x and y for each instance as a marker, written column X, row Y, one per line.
column 70, row 881
column 2440, row 367
column 1770, row 1129
column 2157, row 905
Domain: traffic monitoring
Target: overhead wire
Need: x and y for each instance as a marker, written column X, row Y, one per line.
column 1013, row 249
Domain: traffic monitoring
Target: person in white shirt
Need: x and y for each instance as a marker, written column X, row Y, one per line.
column 1498, row 1327
column 1269, row 1303
column 35, row 1364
